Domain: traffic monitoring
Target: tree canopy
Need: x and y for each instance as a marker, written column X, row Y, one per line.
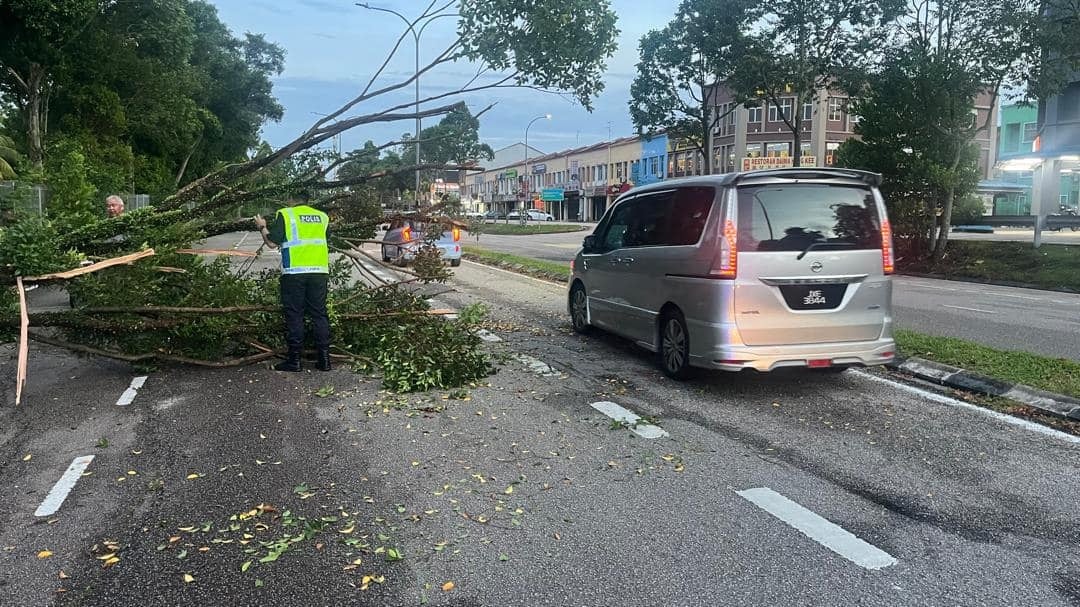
column 681, row 64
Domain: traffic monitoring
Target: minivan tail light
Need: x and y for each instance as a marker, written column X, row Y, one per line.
column 457, row 233
column 406, row 235
column 888, row 258
column 727, row 258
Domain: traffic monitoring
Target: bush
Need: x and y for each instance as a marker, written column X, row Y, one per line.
column 967, row 210
column 32, row 247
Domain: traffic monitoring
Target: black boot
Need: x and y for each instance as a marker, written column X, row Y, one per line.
column 290, row 364
column 324, row 360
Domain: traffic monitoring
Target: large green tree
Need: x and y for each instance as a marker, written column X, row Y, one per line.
column 801, row 47
column 38, row 37
column 680, row 66
column 921, row 122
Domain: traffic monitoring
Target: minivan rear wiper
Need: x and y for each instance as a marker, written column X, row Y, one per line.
column 815, row 245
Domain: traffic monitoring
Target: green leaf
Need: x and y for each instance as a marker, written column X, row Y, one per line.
column 245, row 566
column 258, row 583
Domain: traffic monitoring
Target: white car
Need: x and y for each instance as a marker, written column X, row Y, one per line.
column 533, row 215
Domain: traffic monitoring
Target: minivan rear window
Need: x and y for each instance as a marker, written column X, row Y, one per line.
column 804, row 216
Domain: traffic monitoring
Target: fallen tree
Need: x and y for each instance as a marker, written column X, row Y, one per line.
column 163, row 302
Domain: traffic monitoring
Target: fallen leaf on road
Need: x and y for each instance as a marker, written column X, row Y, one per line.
column 110, row 562
column 258, row 583
column 174, row 539
column 245, row 566
column 348, row 529
column 187, row 529
column 447, row 587
column 182, row 554
column 509, row 490
column 27, row 457
column 188, row 578
column 136, row 452
column 44, row 554
column 131, row 473
column 106, row 557
column 193, row 476
column 204, row 549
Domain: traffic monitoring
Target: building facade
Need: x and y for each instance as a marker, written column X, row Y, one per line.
column 589, row 178
column 745, row 134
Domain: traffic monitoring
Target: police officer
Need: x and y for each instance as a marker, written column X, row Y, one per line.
column 300, row 231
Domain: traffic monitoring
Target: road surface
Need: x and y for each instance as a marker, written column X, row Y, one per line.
column 1043, row 322
column 791, row 489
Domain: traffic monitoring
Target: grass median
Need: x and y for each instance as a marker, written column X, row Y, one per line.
column 516, row 229
column 537, row 268
column 1051, row 374
column 1052, row 266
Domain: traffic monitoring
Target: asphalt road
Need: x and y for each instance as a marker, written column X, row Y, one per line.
column 1042, row 322
column 791, row 489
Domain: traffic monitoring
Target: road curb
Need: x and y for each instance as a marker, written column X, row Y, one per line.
column 962, row 379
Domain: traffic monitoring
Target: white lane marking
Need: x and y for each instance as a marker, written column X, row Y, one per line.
column 832, row 536
column 630, row 418
column 537, row 366
column 128, row 396
column 945, row 400
column 488, row 336
column 243, row 238
column 60, row 490
column 968, row 309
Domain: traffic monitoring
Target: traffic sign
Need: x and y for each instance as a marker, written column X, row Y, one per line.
column 551, row 194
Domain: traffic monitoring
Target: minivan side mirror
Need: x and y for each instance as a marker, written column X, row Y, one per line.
column 589, row 244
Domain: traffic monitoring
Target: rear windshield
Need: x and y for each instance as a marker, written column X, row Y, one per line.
column 800, row 217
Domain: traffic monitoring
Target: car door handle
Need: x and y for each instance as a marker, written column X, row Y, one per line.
column 621, row 260
column 628, row 260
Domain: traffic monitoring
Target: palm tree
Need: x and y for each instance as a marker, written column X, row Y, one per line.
column 9, row 158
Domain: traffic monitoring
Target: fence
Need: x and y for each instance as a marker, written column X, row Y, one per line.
column 36, row 198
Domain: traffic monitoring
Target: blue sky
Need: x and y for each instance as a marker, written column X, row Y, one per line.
column 333, row 47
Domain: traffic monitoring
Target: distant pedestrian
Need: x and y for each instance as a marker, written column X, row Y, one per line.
column 114, row 206
column 300, row 231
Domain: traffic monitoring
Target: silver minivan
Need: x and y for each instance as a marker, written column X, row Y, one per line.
column 759, row 270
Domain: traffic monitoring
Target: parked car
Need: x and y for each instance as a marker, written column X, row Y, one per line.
column 494, row 215
column 404, row 237
column 761, row 270
column 532, row 215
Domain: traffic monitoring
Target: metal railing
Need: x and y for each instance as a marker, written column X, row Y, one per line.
column 1052, row 222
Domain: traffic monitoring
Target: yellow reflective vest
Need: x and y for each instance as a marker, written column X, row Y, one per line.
column 304, row 250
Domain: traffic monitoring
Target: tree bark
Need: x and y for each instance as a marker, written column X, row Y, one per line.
column 187, row 159
column 796, row 111
column 33, row 86
column 938, row 251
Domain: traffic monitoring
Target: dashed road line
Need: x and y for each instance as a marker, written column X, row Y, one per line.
column 128, row 396
column 488, row 336
column 631, row 419
column 968, row 309
column 63, row 487
column 537, row 366
column 832, row 536
column 945, row 400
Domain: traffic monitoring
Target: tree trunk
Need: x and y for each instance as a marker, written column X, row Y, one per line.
column 187, row 159
column 796, row 115
column 938, row 248
column 706, row 141
column 35, row 131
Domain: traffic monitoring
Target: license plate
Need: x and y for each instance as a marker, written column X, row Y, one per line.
column 813, row 297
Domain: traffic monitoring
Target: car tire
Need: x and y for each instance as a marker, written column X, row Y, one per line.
column 385, row 257
column 579, row 309
column 674, row 350
column 455, row 263
column 551, row 219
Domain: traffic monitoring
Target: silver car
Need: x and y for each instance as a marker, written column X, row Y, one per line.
column 760, row 270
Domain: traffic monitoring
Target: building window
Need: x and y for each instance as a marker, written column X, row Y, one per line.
column 836, row 109
column 654, row 165
column 755, row 115
column 807, row 150
column 808, row 111
column 1031, row 130
column 785, row 110
column 778, row 150
column 731, row 117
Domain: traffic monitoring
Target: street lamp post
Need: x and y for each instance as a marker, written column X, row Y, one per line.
column 416, row 76
column 528, row 173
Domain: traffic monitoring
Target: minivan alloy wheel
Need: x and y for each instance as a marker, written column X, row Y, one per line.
column 674, row 347
column 579, row 309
